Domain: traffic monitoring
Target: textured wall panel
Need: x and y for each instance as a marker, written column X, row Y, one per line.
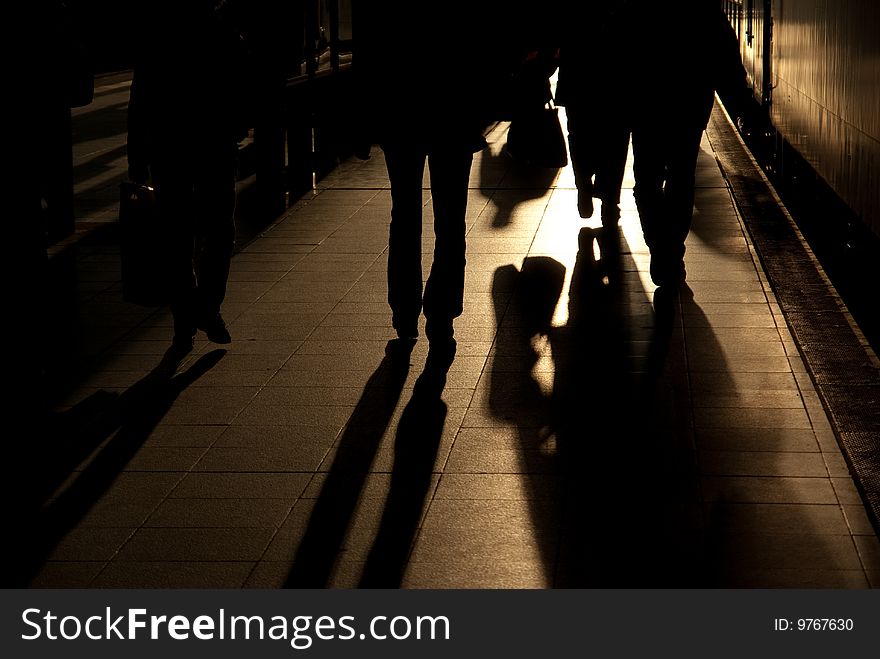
column 826, row 76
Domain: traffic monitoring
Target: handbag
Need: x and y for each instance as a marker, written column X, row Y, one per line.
column 143, row 248
column 536, row 138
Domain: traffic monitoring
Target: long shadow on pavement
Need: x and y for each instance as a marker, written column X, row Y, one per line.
column 111, row 427
column 334, row 509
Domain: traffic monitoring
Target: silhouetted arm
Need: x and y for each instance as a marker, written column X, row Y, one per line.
column 731, row 81
column 137, row 147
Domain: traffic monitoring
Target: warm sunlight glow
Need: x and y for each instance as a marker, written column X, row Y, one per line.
column 543, row 371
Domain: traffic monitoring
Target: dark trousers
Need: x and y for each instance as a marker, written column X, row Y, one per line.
column 665, row 160
column 449, row 169
column 197, row 205
column 598, row 144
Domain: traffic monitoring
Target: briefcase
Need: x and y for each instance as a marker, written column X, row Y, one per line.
column 143, row 246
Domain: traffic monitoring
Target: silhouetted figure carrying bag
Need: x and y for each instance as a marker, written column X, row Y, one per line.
column 143, row 246
column 535, row 138
column 185, row 117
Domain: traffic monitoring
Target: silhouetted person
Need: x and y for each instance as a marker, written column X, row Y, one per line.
column 594, row 87
column 184, row 123
column 685, row 51
column 422, row 89
column 527, row 137
column 49, row 76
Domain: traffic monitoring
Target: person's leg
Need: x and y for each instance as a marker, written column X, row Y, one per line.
column 649, row 171
column 684, row 147
column 406, row 166
column 649, row 168
column 444, row 291
column 215, row 199
column 614, row 147
column 582, row 158
column 174, row 199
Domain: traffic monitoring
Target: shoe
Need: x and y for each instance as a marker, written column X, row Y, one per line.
column 215, row 328
column 441, row 354
column 585, row 201
column 441, row 344
column 664, row 298
column 183, row 343
column 408, row 333
column 664, row 306
column 406, row 327
column 610, row 215
column 398, row 353
column 181, row 346
column 398, row 349
column 666, row 270
column 609, row 241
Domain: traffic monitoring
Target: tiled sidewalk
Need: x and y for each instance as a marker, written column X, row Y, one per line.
column 618, row 445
